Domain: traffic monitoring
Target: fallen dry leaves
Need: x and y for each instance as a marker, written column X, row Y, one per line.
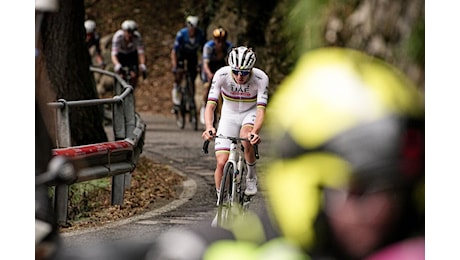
column 152, row 185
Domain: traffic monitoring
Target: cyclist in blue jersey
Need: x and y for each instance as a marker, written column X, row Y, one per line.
column 189, row 41
column 215, row 53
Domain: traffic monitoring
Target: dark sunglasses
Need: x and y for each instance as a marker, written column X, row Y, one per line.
column 242, row 72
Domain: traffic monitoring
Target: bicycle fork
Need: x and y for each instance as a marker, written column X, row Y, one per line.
column 237, row 194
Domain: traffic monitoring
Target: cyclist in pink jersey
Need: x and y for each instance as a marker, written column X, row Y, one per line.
column 244, row 91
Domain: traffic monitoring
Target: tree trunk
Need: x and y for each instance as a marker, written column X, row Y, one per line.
column 63, row 70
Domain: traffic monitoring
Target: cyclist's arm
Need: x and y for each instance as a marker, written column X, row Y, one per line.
column 207, row 70
column 206, row 56
column 115, row 61
column 213, row 98
column 173, row 59
column 209, row 116
column 115, row 47
column 262, row 99
column 141, row 58
column 209, row 131
column 99, row 58
column 253, row 136
column 175, row 48
column 140, row 49
column 97, row 44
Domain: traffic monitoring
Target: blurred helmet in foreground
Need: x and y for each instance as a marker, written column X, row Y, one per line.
column 345, row 120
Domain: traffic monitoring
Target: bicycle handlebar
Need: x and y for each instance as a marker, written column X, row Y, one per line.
column 233, row 139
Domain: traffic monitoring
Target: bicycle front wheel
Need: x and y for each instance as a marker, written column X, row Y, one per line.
column 225, row 197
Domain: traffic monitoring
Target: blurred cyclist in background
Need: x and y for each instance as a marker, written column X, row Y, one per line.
column 93, row 40
column 128, row 50
column 187, row 44
column 215, row 53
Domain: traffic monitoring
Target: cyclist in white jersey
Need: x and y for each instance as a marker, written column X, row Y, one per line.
column 128, row 50
column 244, row 91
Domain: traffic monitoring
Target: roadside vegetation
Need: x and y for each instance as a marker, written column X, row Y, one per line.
column 152, row 185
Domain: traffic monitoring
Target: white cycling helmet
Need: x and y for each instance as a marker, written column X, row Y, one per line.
column 129, row 25
column 90, row 26
column 241, row 58
column 192, row 20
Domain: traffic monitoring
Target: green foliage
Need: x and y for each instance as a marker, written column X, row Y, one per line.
column 296, row 27
column 415, row 44
column 304, row 26
column 81, row 197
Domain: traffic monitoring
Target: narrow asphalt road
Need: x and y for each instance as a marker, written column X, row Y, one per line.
column 181, row 150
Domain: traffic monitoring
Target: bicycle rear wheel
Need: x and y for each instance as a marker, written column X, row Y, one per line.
column 193, row 115
column 191, row 105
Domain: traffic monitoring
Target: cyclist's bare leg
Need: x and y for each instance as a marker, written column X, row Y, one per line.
column 175, row 91
column 248, row 148
column 133, row 75
column 221, row 158
column 249, row 155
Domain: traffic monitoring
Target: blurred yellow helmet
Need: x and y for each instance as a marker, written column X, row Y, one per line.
column 341, row 119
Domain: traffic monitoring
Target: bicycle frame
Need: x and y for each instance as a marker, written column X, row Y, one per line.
column 232, row 200
column 236, row 158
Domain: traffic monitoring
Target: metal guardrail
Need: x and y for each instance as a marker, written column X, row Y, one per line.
column 116, row 159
